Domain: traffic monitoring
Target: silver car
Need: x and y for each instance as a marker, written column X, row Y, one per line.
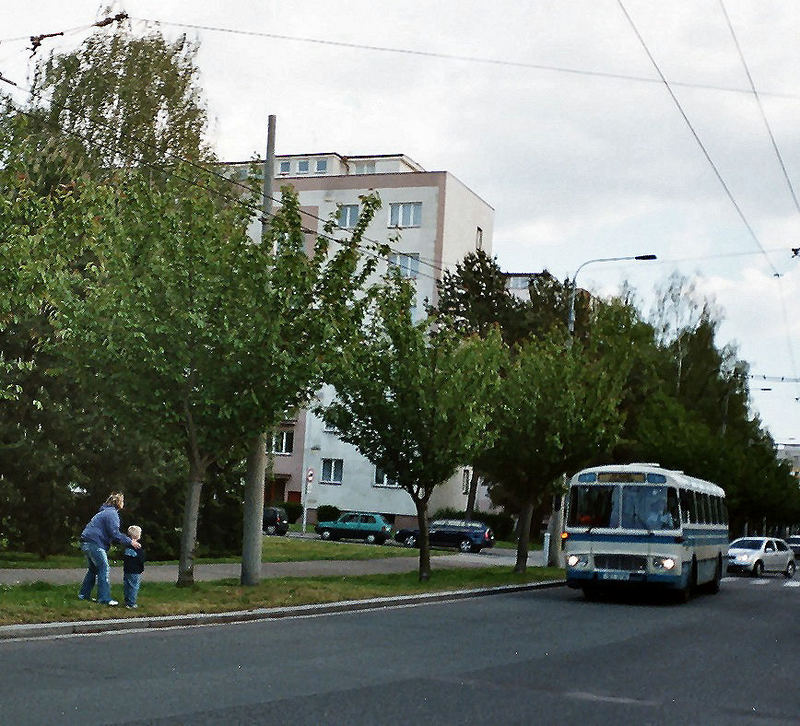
column 757, row 555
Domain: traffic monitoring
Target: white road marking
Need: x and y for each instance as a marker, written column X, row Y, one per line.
column 791, row 583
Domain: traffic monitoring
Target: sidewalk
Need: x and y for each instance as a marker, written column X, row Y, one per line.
column 314, row 568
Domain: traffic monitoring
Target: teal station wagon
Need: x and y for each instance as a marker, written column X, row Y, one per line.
column 370, row 527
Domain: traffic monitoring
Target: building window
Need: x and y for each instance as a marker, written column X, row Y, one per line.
column 283, row 442
column 347, row 215
column 479, row 239
column 518, row 282
column 365, row 167
column 405, row 214
column 407, row 263
column 285, row 167
column 302, row 166
column 322, row 166
column 332, row 471
column 381, row 480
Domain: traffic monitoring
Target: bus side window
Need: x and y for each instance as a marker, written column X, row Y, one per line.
column 687, row 506
column 672, row 508
column 705, row 509
column 717, row 513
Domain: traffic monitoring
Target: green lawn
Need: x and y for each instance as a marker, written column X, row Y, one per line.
column 42, row 603
column 275, row 549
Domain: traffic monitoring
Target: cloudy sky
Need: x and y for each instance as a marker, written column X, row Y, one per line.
column 553, row 112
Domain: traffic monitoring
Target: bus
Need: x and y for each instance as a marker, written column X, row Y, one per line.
column 643, row 525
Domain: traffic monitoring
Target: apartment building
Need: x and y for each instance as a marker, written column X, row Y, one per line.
column 790, row 452
column 431, row 220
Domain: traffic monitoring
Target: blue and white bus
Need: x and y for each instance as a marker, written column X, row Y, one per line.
column 640, row 524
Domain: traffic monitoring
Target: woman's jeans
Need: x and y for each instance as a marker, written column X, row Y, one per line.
column 97, row 560
column 130, row 586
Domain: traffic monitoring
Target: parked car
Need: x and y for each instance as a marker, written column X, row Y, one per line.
column 370, row 527
column 794, row 545
column 466, row 536
column 275, row 521
column 756, row 555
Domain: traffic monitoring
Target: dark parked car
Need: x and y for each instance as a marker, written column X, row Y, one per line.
column 370, row 527
column 275, row 521
column 794, row 543
column 466, row 536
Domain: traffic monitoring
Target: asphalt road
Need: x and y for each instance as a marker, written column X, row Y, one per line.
column 539, row 657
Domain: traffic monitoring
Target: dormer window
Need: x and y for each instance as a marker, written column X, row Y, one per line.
column 322, row 166
column 302, row 166
column 285, row 167
column 365, row 167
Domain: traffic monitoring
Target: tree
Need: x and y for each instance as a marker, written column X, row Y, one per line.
column 414, row 398
column 558, row 411
column 204, row 336
column 116, row 102
column 128, row 101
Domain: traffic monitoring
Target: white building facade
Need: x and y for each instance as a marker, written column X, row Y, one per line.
column 431, row 221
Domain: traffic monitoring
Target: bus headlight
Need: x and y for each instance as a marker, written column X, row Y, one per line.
column 663, row 563
column 578, row 560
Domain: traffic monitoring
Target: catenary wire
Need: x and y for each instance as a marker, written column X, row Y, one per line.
column 779, row 158
column 423, row 260
column 760, row 106
column 255, row 208
column 446, row 56
column 697, row 138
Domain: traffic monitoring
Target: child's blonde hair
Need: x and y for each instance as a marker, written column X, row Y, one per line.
column 134, row 531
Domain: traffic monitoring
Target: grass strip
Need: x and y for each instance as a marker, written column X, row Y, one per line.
column 275, row 549
column 45, row 603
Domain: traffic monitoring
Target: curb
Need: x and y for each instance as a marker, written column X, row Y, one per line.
column 89, row 627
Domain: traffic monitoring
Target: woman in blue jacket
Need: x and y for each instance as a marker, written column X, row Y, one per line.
column 96, row 538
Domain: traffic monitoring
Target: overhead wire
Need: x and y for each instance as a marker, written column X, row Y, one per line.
column 253, row 207
column 444, row 56
column 782, row 165
column 697, row 137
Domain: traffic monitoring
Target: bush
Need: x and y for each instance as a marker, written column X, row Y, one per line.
column 501, row 523
column 327, row 513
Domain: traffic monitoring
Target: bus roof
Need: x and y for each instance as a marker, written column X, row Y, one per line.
column 673, row 476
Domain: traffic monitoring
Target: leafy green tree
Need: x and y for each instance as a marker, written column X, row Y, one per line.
column 414, row 398
column 558, row 411
column 205, row 337
column 127, row 100
column 117, row 101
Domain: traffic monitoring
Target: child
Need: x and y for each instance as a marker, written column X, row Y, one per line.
column 133, row 567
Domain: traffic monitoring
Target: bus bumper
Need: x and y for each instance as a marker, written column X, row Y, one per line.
column 615, row 578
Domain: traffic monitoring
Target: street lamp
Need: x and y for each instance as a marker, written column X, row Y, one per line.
column 571, row 321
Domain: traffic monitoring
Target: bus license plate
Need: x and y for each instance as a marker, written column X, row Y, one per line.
column 613, row 575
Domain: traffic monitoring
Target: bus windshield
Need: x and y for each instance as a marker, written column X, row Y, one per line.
column 591, row 506
column 628, row 506
column 649, row 507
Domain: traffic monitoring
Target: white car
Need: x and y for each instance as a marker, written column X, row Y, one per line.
column 757, row 555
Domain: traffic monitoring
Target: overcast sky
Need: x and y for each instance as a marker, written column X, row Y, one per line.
column 571, row 136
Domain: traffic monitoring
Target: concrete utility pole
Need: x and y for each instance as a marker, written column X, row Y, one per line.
column 252, row 536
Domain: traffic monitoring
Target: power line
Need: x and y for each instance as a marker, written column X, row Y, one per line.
column 697, row 137
column 449, row 56
column 256, row 209
column 783, row 169
column 773, row 379
column 760, row 107
column 204, row 169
